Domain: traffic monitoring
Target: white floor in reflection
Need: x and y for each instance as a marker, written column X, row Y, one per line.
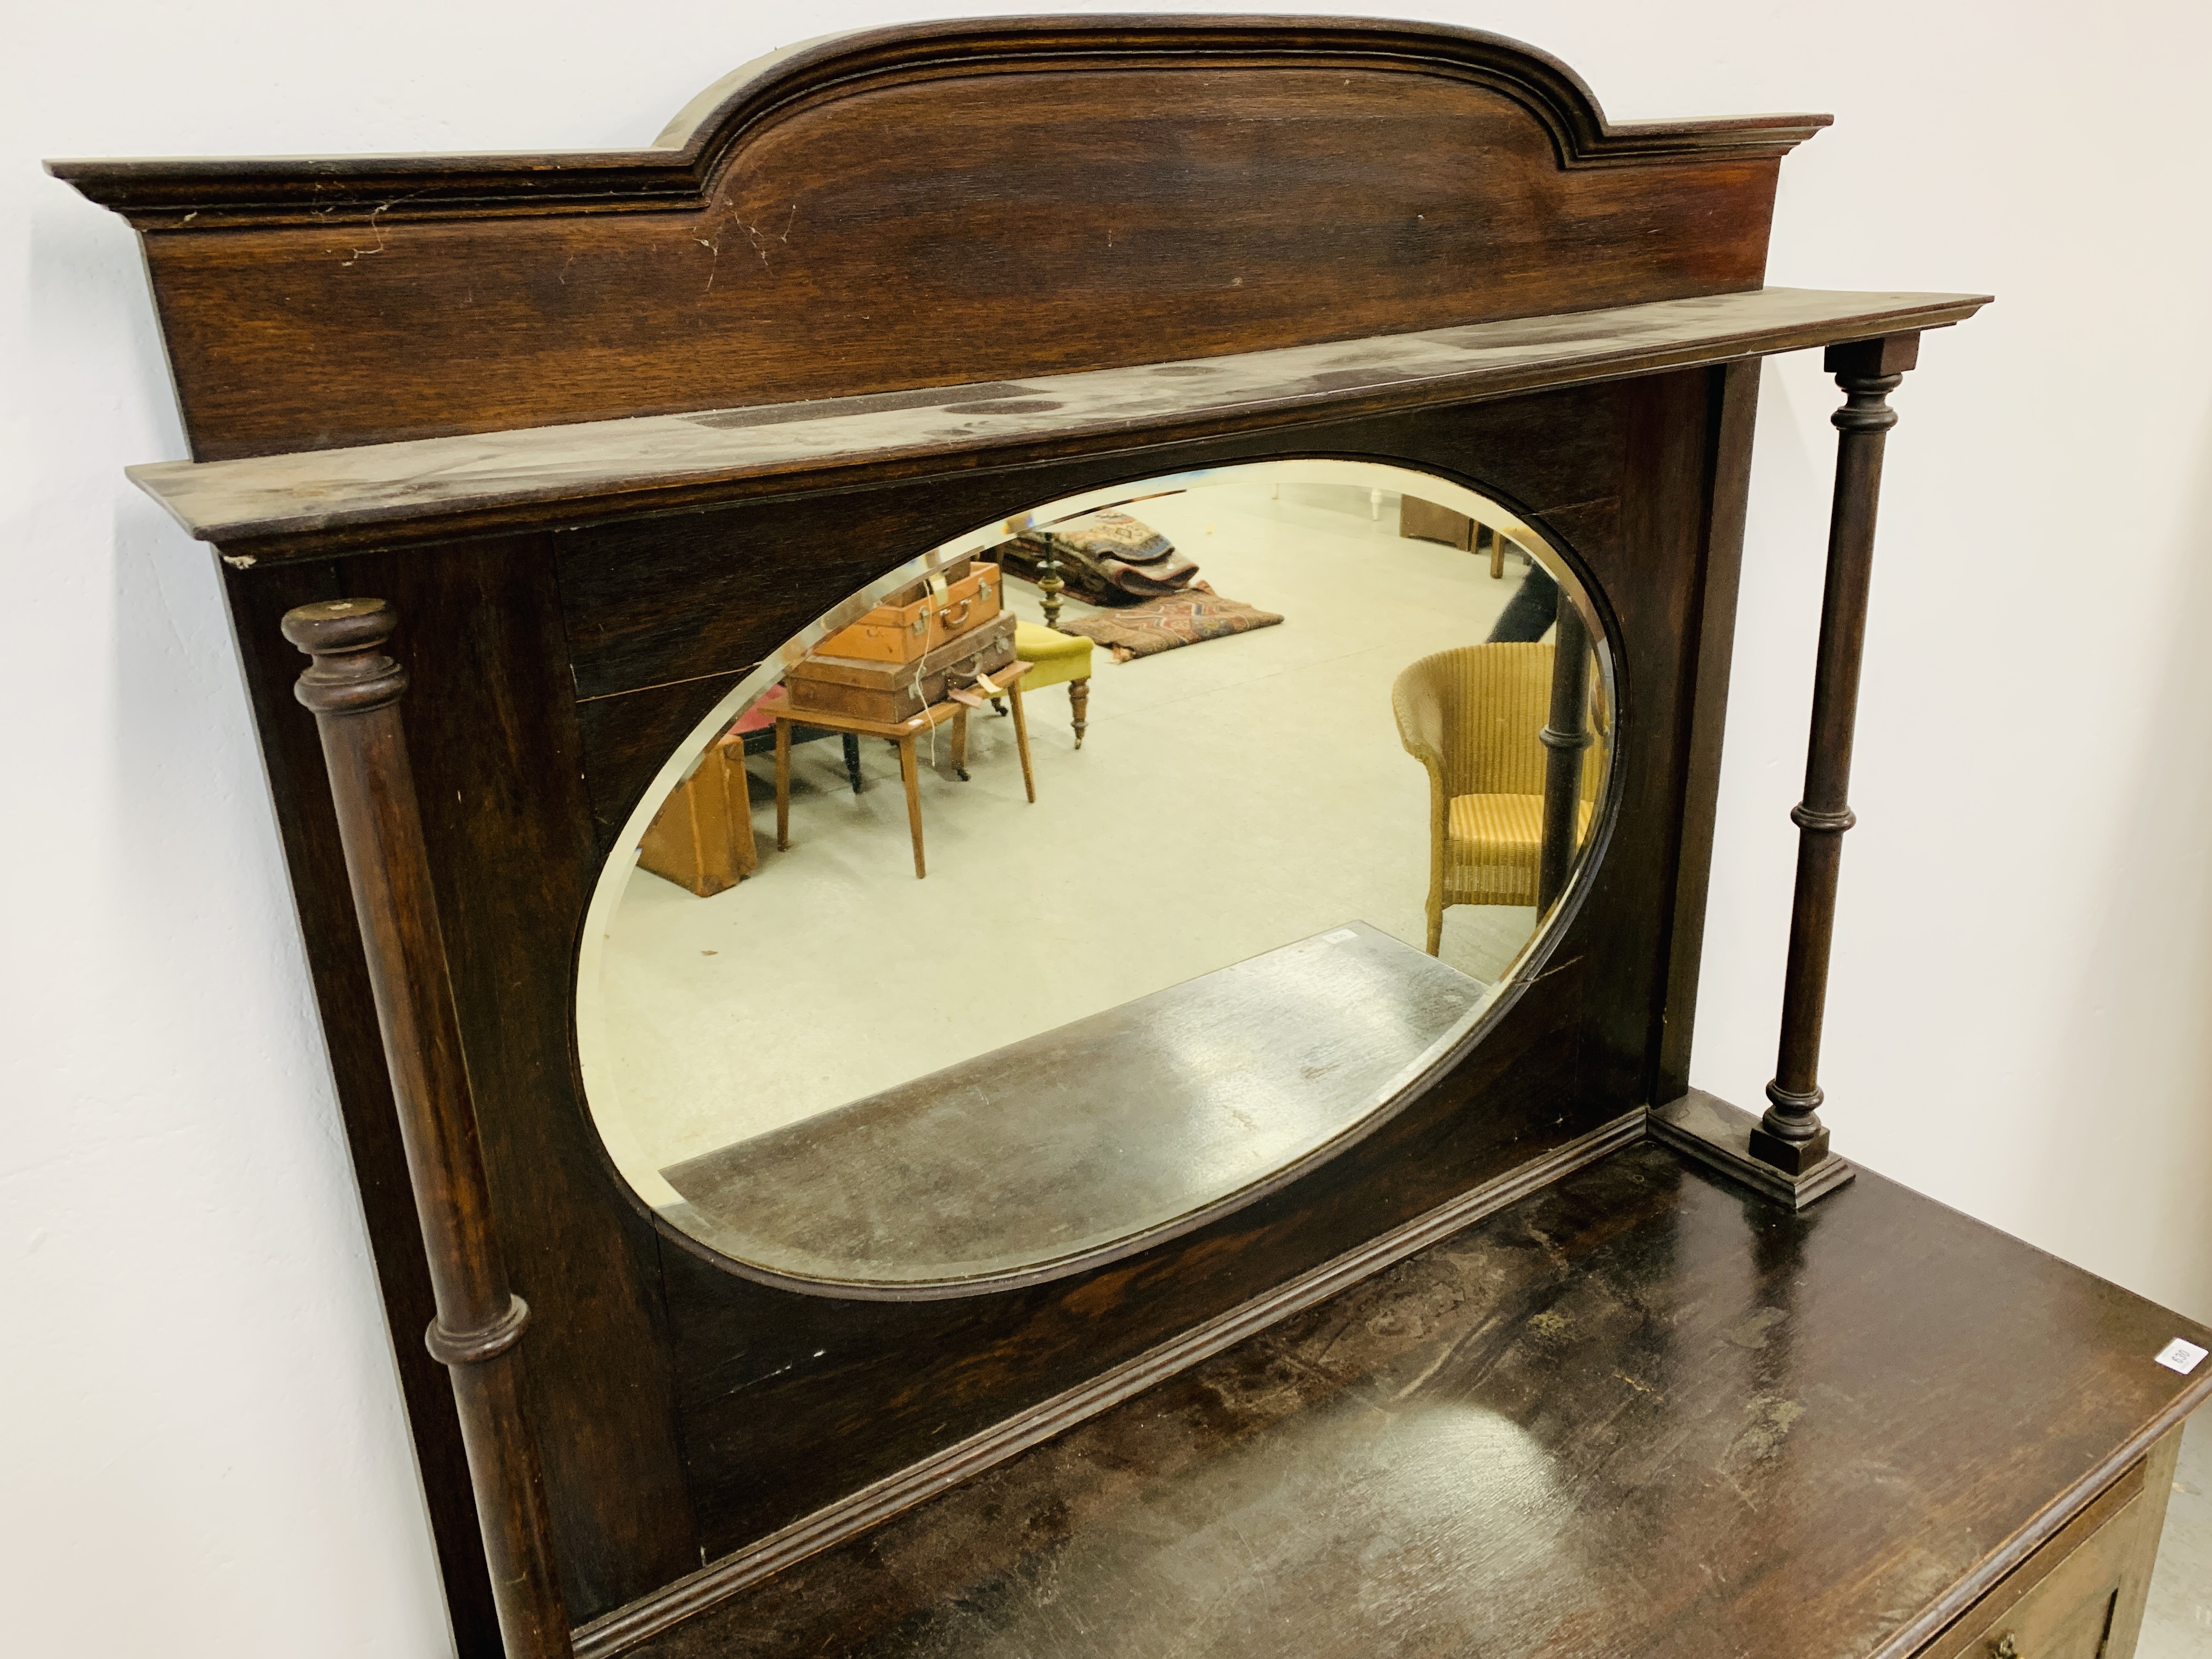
column 1230, row 797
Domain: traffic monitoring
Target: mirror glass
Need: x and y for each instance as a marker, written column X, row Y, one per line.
column 1092, row 874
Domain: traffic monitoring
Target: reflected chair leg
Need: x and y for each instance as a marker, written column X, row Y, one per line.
column 853, row 760
column 1022, row 740
column 1079, row 697
column 909, row 773
column 960, row 745
column 782, row 786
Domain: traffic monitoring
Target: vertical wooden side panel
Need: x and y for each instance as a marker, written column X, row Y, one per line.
column 1650, row 584
column 292, row 755
column 494, row 744
column 493, row 736
column 355, row 688
column 1735, row 393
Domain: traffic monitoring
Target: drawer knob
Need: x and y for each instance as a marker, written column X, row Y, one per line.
column 2005, row 1648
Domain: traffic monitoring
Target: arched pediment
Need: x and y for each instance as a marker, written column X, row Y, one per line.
column 934, row 204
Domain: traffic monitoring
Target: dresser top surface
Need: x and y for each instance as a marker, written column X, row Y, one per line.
column 1639, row 1414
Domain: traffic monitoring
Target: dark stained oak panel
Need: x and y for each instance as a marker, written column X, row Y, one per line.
column 907, row 237
column 1023, row 199
column 778, row 1412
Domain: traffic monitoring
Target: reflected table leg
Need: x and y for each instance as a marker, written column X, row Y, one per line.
column 783, row 784
column 909, row 769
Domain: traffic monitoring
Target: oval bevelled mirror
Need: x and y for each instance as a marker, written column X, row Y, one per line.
column 1092, row 875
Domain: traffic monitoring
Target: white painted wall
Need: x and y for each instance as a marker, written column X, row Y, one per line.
column 198, row 1387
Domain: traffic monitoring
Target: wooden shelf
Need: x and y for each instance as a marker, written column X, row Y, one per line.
column 320, row 502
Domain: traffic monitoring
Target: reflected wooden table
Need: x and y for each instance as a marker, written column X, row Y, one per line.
column 777, row 706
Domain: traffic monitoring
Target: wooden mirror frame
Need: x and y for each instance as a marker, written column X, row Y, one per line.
column 601, row 435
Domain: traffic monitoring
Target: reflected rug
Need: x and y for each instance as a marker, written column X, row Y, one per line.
column 1195, row 615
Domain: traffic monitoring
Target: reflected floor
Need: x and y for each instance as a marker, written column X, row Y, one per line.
column 1230, row 798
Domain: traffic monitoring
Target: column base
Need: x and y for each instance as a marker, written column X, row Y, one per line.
column 1792, row 1158
column 1718, row 1135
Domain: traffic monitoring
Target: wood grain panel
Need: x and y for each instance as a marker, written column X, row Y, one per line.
column 1187, row 188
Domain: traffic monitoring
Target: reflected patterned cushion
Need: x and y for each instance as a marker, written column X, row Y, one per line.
column 1197, row 613
column 1105, row 557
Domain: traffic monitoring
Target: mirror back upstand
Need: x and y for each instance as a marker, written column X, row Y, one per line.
column 553, row 463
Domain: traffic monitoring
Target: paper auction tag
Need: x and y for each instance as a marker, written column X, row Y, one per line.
column 2180, row 1356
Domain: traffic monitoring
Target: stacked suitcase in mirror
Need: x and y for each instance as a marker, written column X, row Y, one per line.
column 924, row 641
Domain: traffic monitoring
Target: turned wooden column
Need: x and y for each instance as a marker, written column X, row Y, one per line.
column 354, row 690
column 1790, row 1136
column 1564, row 737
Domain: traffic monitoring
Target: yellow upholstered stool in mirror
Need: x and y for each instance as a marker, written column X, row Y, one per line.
column 1060, row 660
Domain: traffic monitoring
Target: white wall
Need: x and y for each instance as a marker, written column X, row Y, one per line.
column 197, row 1384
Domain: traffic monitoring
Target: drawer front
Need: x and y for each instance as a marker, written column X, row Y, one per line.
column 2081, row 1595
column 2070, row 1614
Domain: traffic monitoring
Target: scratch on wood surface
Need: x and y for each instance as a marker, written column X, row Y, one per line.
column 375, row 229
column 760, row 237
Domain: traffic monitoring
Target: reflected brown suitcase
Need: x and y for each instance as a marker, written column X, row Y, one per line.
column 920, row 617
column 702, row 838
column 892, row 692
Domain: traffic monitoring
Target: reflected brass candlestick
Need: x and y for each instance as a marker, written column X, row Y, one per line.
column 1051, row 586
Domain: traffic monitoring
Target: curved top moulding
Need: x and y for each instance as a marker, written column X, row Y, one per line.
column 933, row 204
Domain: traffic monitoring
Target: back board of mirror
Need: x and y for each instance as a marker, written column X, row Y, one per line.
column 1062, row 195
